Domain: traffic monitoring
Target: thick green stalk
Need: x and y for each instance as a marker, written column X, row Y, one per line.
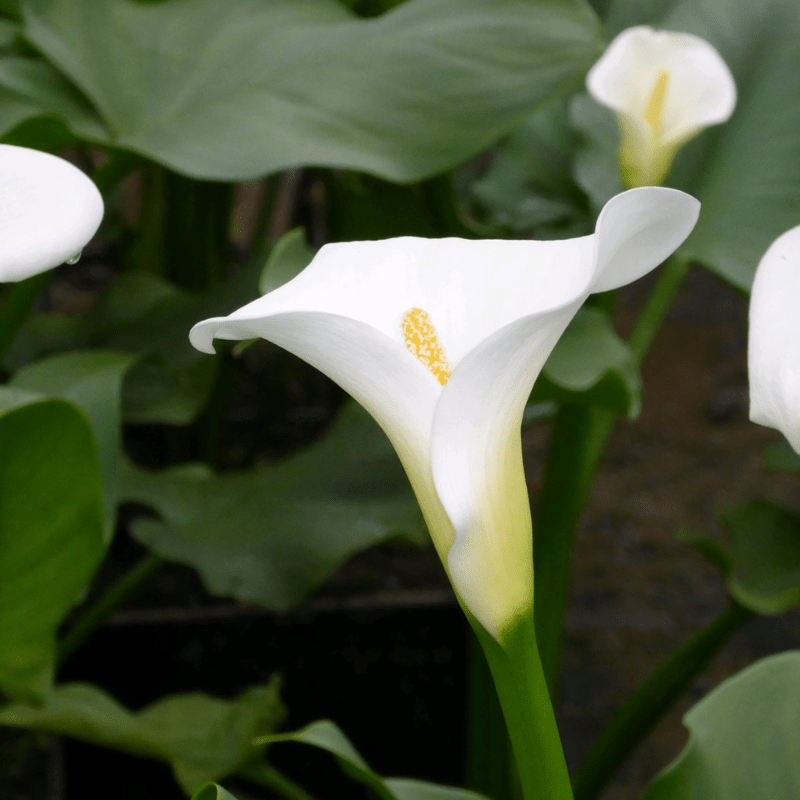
column 15, row 308
column 525, row 700
column 658, row 304
column 579, row 438
column 114, row 597
column 571, row 465
column 655, row 696
column 490, row 767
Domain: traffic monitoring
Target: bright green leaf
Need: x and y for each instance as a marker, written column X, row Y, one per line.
column 591, row 364
column 327, row 736
column 272, row 535
column 242, row 89
column 203, row 738
column 745, row 740
column 287, row 259
column 51, row 532
column 92, row 380
column 765, row 539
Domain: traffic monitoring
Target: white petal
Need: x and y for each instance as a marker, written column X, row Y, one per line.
column 378, row 372
column 700, row 92
column 469, row 289
column 48, row 211
column 477, row 466
column 774, row 342
column 637, row 230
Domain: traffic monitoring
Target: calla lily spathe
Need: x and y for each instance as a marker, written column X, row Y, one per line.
column 665, row 88
column 48, row 211
column 773, row 353
column 441, row 341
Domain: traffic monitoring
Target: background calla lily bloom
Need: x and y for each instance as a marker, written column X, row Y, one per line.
column 48, row 211
column 665, row 88
column 774, row 343
column 441, row 341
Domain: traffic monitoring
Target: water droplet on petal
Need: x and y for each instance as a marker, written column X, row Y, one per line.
column 74, row 259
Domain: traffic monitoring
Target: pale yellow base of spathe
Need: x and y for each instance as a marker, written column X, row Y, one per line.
column 644, row 157
column 488, row 557
column 490, row 561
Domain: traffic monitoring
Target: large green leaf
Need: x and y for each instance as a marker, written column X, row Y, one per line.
column 51, row 532
column 203, row 738
column 746, row 172
column 272, row 535
column 31, row 88
column 240, row 89
column 745, row 740
column 327, row 736
column 765, row 540
column 92, row 380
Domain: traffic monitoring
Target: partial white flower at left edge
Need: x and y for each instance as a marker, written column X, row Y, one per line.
column 48, row 211
column 441, row 341
column 665, row 88
column 773, row 352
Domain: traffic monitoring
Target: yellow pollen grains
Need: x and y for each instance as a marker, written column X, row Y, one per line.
column 420, row 338
column 656, row 103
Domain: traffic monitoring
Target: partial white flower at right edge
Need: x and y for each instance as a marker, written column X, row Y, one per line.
column 665, row 87
column 48, row 211
column 774, row 342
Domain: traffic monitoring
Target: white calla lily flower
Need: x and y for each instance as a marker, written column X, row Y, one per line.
column 48, row 211
column 441, row 341
column 773, row 353
column 665, row 88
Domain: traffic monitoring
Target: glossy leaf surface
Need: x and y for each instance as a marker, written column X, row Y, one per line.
column 744, row 739
column 240, row 90
column 92, row 380
column 272, row 535
column 51, row 532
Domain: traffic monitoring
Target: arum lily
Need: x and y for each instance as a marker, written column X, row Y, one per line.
column 665, row 88
column 773, row 354
column 49, row 210
column 441, row 341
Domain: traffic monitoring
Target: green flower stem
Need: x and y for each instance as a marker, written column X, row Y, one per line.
column 655, row 696
column 15, row 308
column 266, row 775
column 114, row 597
column 572, row 461
column 579, row 438
column 490, row 767
column 528, row 712
column 658, row 304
